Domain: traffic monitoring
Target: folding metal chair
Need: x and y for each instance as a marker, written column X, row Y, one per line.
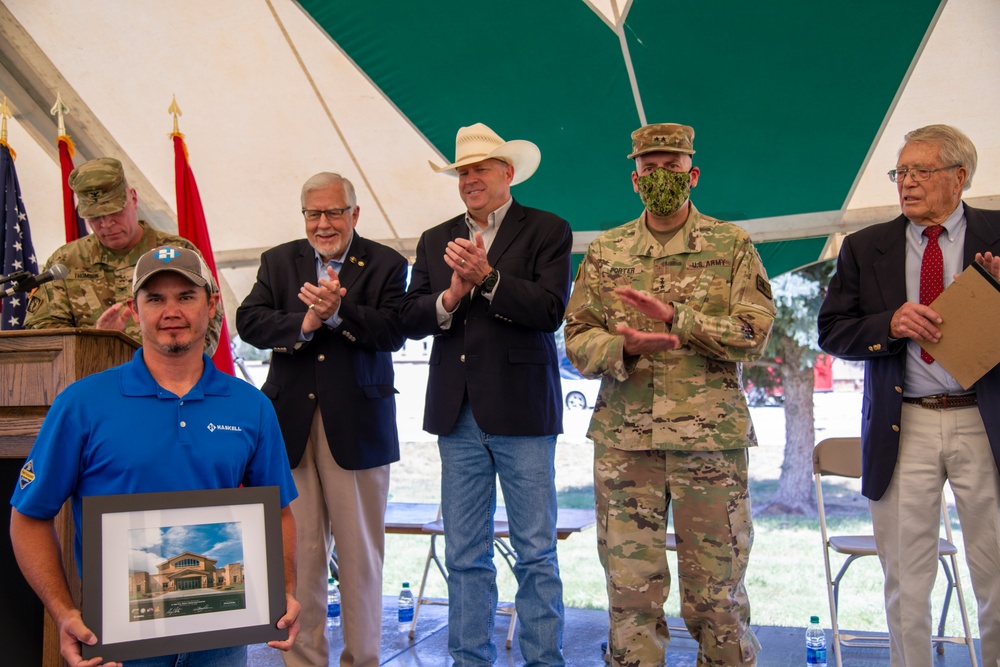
column 841, row 457
column 501, row 533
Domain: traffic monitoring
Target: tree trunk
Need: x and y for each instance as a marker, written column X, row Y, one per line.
column 795, row 488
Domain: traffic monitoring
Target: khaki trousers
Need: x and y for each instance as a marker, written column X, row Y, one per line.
column 345, row 507
column 934, row 446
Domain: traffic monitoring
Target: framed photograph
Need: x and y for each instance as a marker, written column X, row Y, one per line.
column 184, row 571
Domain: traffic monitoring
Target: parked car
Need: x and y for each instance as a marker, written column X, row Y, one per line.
column 580, row 394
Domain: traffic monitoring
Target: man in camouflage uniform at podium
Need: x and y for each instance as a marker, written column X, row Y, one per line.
column 100, row 265
column 663, row 310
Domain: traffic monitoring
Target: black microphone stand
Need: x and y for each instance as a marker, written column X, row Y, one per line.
column 15, row 277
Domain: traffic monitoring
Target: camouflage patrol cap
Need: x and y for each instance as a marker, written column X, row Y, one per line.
column 664, row 138
column 100, row 187
column 180, row 260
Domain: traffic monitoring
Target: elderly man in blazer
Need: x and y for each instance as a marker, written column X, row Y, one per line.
column 328, row 307
column 491, row 286
column 919, row 426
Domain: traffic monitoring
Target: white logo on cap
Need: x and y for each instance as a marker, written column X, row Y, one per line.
column 166, row 254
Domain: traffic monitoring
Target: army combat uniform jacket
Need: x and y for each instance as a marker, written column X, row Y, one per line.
column 97, row 279
column 685, row 399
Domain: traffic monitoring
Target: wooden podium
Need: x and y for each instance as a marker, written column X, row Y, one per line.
column 34, row 367
column 37, row 365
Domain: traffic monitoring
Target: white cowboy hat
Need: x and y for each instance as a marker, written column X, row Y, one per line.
column 478, row 142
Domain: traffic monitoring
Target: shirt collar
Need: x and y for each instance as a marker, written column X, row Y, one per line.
column 951, row 225
column 136, row 380
column 494, row 218
column 687, row 239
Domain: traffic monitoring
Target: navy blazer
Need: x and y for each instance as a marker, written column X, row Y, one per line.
column 869, row 286
column 501, row 353
column 347, row 370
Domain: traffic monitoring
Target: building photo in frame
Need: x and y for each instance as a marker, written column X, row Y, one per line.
column 172, row 571
column 183, row 571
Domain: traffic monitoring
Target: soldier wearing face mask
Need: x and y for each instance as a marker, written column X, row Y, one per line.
column 664, row 310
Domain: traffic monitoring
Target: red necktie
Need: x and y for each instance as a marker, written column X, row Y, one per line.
column 931, row 274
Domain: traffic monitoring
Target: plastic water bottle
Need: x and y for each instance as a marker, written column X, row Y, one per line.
column 815, row 644
column 405, row 608
column 332, row 604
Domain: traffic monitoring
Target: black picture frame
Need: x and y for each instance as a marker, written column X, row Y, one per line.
column 124, row 629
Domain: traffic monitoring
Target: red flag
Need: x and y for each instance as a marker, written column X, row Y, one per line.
column 192, row 226
column 75, row 228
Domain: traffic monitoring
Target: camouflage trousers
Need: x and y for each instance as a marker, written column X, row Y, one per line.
column 711, row 508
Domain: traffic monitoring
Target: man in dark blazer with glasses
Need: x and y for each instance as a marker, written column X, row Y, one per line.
column 327, row 305
column 919, row 427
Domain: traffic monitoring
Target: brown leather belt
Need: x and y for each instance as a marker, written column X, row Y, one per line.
column 943, row 401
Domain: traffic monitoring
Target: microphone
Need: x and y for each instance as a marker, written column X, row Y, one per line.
column 57, row 272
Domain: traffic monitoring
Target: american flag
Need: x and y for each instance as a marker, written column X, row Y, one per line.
column 15, row 237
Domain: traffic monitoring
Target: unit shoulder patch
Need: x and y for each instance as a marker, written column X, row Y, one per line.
column 27, row 474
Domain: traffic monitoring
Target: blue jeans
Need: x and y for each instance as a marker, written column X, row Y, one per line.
column 470, row 462
column 234, row 656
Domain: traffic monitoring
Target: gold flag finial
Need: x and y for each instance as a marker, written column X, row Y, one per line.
column 60, row 111
column 4, row 115
column 176, row 111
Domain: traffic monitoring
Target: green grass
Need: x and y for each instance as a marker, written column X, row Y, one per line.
column 784, row 579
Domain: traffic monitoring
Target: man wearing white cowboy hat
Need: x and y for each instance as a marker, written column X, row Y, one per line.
column 491, row 286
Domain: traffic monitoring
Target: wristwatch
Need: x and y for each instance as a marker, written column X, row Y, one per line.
column 490, row 281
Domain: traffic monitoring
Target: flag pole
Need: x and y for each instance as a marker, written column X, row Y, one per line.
column 176, row 111
column 73, row 224
column 60, row 111
column 4, row 115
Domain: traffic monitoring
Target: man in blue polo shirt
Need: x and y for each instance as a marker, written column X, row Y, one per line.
column 166, row 421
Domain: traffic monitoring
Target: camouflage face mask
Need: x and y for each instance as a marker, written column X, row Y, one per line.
column 664, row 191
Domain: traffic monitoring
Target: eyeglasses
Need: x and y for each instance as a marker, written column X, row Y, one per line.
column 918, row 175
column 312, row 215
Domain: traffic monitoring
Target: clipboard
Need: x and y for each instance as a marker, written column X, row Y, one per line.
column 970, row 335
